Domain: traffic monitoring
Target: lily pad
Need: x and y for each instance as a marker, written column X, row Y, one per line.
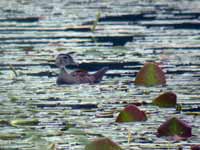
column 175, row 127
column 150, row 74
column 195, row 147
column 131, row 113
column 24, row 122
column 102, row 144
column 167, row 99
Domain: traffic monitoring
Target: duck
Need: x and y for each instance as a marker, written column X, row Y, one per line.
column 78, row 76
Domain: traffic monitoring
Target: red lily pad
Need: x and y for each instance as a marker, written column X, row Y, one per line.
column 175, row 127
column 102, row 144
column 150, row 74
column 167, row 99
column 195, row 147
column 131, row 113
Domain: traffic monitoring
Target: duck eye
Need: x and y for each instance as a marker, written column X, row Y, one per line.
column 65, row 57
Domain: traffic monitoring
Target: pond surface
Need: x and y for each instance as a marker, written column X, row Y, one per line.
column 127, row 34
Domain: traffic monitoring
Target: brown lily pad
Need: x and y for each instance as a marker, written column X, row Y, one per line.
column 175, row 127
column 131, row 113
column 102, row 144
column 150, row 74
column 167, row 99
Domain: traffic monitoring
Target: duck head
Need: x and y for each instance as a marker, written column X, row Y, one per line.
column 63, row 60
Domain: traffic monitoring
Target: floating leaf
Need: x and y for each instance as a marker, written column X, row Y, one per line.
column 150, row 74
column 131, row 113
column 175, row 127
column 4, row 122
column 9, row 136
column 102, row 144
column 195, row 147
column 167, row 99
column 24, row 122
column 14, row 98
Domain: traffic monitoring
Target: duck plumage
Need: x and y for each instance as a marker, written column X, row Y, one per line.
column 78, row 76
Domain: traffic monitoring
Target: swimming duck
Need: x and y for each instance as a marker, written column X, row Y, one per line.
column 78, row 76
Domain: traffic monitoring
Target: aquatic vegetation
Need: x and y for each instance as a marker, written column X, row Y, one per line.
column 96, row 21
column 13, row 70
column 24, row 122
column 176, row 128
column 167, row 99
column 150, row 74
column 14, row 98
column 52, row 146
column 195, row 147
column 131, row 113
column 102, row 144
column 130, row 137
column 4, row 122
column 9, row 136
column 61, row 49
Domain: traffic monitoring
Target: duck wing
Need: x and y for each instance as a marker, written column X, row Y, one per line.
column 66, row 78
column 82, row 76
column 80, row 72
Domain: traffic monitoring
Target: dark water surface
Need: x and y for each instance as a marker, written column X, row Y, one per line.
column 128, row 33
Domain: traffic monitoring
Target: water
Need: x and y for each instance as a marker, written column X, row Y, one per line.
column 127, row 34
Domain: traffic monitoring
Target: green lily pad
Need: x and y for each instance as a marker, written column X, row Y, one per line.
column 167, row 99
column 174, row 127
column 24, row 122
column 131, row 113
column 150, row 74
column 102, row 144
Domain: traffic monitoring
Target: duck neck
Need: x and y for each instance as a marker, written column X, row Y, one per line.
column 63, row 70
